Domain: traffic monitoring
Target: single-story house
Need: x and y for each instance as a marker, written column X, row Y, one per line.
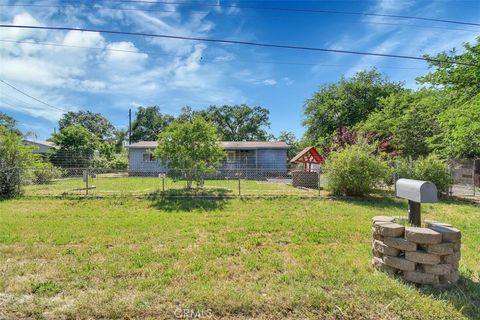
column 266, row 157
column 41, row 147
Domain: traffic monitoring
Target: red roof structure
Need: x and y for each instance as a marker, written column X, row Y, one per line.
column 308, row 156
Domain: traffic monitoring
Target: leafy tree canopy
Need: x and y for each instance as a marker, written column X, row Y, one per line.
column 459, row 131
column 190, row 149
column 93, row 122
column 9, row 123
column 14, row 156
column 148, row 123
column 76, row 147
column 464, row 79
column 346, row 103
column 290, row 139
column 239, row 122
column 409, row 118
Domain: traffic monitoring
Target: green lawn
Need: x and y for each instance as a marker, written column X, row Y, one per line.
column 235, row 258
column 108, row 185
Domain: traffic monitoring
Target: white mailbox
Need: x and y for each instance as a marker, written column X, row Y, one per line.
column 417, row 190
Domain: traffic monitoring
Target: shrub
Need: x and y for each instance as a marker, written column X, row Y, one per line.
column 45, row 172
column 14, row 157
column 355, row 171
column 430, row 169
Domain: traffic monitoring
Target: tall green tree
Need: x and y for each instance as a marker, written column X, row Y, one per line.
column 460, row 78
column 14, row 157
column 409, row 118
column 9, row 123
column 459, row 131
column 190, row 149
column 239, row 122
column 292, row 141
column 148, row 123
column 95, row 123
column 345, row 104
column 76, row 147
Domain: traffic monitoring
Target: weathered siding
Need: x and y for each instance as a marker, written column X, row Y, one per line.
column 266, row 160
column 136, row 165
column 272, row 159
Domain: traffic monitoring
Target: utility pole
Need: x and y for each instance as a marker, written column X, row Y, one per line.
column 129, row 126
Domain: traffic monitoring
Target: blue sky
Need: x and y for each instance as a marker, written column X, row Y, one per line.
column 176, row 73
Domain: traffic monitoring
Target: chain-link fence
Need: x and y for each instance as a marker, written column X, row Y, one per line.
column 53, row 181
column 107, row 182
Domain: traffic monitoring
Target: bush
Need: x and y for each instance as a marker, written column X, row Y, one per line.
column 14, row 157
column 355, row 171
column 430, row 169
column 45, row 172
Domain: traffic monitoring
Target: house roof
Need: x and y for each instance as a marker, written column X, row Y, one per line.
column 228, row 145
column 40, row 143
column 308, row 155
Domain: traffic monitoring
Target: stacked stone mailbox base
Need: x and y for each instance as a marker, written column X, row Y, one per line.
column 420, row 255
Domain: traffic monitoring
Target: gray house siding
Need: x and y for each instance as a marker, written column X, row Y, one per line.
column 137, row 165
column 272, row 159
column 262, row 160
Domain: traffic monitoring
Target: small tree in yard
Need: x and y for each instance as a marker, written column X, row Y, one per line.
column 190, row 149
column 14, row 156
column 355, row 171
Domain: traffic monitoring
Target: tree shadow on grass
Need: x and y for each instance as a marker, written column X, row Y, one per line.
column 202, row 199
column 465, row 296
column 377, row 202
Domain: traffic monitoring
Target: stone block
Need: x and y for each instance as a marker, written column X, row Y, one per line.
column 399, row 263
column 456, row 246
column 420, row 277
column 380, row 265
column 430, row 223
column 422, row 257
column 422, row 235
column 380, row 219
column 377, row 254
column 442, row 249
column 452, row 259
column 452, row 277
column 448, row 233
column 390, row 229
column 377, row 236
column 400, row 243
column 439, row 269
column 382, row 248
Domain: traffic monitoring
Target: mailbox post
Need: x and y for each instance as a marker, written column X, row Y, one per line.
column 416, row 192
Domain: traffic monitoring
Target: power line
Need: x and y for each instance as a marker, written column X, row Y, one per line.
column 203, row 58
column 32, row 97
column 249, row 43
column 372, row 14
column 158, row 10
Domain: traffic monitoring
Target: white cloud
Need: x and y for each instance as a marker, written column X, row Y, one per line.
column 20, row 34
column 269, row 82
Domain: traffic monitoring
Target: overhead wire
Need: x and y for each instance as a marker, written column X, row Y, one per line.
column 240, row 42
column 172, row 11
column 202, row 59
column 32, row 97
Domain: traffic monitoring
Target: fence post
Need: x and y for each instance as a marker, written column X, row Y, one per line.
column 86, row 181
column 19, row 177
column 473, row 176
column 239, row 190
column 319, row 184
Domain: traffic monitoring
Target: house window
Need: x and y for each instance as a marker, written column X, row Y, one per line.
column 231, row 156
column 148, row 156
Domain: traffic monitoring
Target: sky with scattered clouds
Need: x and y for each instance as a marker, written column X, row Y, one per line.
column 75, row 70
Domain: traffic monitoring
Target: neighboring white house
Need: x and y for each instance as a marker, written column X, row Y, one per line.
column 41, row 147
